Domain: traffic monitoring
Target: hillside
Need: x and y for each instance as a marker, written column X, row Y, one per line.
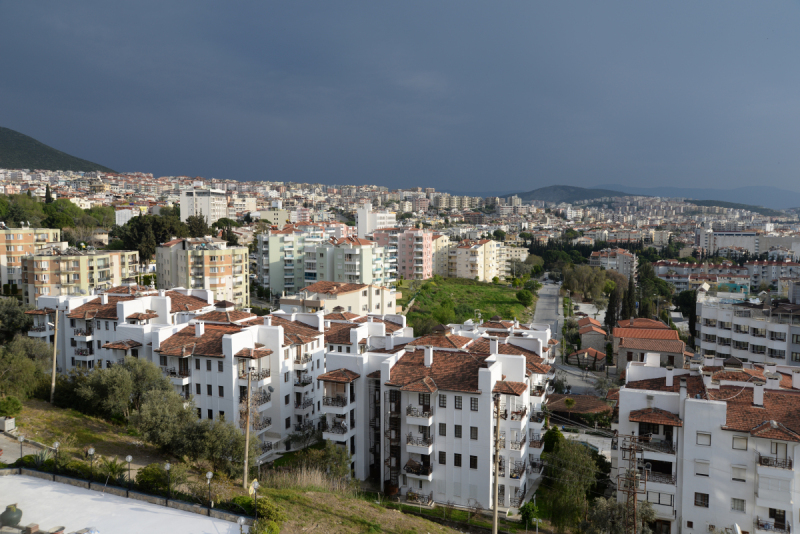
column 756, row 195
column 18, row 151
column 567, row 193
column 733, row 205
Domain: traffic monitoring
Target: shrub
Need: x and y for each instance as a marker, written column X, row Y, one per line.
column 153, row 478
column 265, row 526
column 271, row 512
column 10, row 406
column 76, row 469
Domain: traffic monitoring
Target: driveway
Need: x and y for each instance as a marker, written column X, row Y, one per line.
column 10, row 447
column 549, row 309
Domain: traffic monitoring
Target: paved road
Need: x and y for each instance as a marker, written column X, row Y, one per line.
column 549, row 310
column 10, row 447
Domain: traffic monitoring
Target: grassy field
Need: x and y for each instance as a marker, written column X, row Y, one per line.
column 455, row 300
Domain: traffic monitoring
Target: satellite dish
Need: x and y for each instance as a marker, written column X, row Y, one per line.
column 271, row 389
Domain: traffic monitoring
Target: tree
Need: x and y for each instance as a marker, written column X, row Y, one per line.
column 602, row 385
column 48, row 195
column 551, row 439
column 165, row 418
column 529, row 513
column 631, row 298
column 10, row 406
column 332, row 459
column 572, row 470
column 495, row 280
column 499, row 235
column 146, row 377
column 570, row 404
column 23, row 363
column 108, row 391
column 225, row 445
column 611, row 312
column 644, row 308
column 198, row 226
column 525, row 297
column 13, row 318
column 607, row 516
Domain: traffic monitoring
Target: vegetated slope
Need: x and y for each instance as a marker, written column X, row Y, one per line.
column 19, row 151
column 767, row 212
column 567, row 193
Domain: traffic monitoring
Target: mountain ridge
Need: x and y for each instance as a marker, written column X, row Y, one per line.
column 766, row 196
column 567, row 193
column 20, row 151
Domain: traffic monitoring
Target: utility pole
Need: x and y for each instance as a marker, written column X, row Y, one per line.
column 496, row 463
column 247, row 429
column 55, row 347
column 632, row 482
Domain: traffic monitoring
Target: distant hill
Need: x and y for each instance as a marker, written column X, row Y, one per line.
column 759, row 195
column 567, row 193
column 18, row 151
column 733, row 205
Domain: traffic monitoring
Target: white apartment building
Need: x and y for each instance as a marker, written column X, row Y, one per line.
column 344, row 297
column 619, row 260
column 367, row 221
column 210, row 203
column 477, row 260
column 717, row 445
column 418, row 414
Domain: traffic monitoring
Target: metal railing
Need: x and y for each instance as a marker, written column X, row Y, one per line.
column 413, row 411
column 305, row 403
column 173, row 373
column 305, row 358
column 303, row 381
column 262, row 397
column 266, row 447
column 302, row 427
column 771, row 461
column 535, row 441
column 771, row 525
column 419, row 469
column 519, row 415
column 419, row 498
column 517, row 469
column 338, row 401
column 535, row 467
column 422, row 441
column 517, row 445
column 42, row 328
column 666, row 447
column 537, row 417
column 83, row 352
column 261, row 424
column 661, row 478
column 83, row 331
column 255, row 375
column 338, row 428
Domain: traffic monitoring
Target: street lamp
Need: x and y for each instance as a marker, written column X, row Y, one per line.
column 128, row 459
column 209, row 475
column 169, row 485
column 91, row 461
column 55, row 446
column 255, row 495
column 240, row 521
column 20, row 439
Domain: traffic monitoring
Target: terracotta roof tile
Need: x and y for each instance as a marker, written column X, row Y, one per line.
column 42, row 311
column 333, row 288
column 587, row 321
column 341, row 316
column 423, row 385
column 653, row 345
column 591, row 329
column 694, row 385
column 186, row 343
column 655, row 415
column 505, row 387
column 234, row 316
column 94, row 310
column 451, row 371
column 122, row 345
column 341, row 376
column 779, row 406
column 390, row 326
column 441, row 341
column 181, row 302
column 646, row 333
column 255, row 353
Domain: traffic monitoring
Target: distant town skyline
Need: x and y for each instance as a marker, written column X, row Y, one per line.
column 460, row 97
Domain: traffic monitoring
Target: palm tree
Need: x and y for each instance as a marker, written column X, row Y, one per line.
column 570, row 404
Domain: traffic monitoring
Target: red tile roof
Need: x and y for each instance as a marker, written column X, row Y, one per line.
column 122, row 345
column 655, row 415
column 341, row 316
column 653, row 345
column 587, row 321
column 505, row 387
column 186, row 343
column 333, row 288
column 450, row 371
column 341, row 376
column 592, row 329
column 255, row 353
column 779, row 406
column 441, row 341
column 94, row 310
column 234, row 316
column 646, row 333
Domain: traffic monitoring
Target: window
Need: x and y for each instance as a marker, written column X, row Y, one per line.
column 106, row 325
column 219, row 366
column 701, row 499
column 425, row 399
column 473, row 432
column 796, row 356
column 211, row 414
column 288, row 422
column 221, row 391
column 197, row 387
column 738, row 473
column 737, row 505
column 473, row 404
column 197, row 364
column 442, row 457
column 221, row 415
column 286, row 400
column 199, row 413
column 330, row 348
column 701, row 468
column 442, row 429
column 690, row 524
column 458, row 402
column 208, row 365
column 704, row 438
column 442, row 401
column 339, row 348
column 473, row 462
column 648, row 428
column 740, row 443
column 458, row 431
column 457, row 460
column 796, row 339
column 98, row 344
column 208, row 389
column 347, row 348
column 286, row 376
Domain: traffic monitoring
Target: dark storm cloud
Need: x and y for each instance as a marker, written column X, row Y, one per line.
column 456, row 95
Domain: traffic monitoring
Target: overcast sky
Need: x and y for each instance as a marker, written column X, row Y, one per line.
column 465, row 96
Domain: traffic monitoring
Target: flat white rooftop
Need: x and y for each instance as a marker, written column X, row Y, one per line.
column 50, row 504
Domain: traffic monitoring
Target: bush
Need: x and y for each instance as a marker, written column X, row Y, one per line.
column 265, row 526
column 269, row 511
column 76, row 469
column 153, row 478
column 10, row 406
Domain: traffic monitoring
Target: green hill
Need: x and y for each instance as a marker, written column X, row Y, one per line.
column 767, row 212
column 567, row 193
column 18, row 151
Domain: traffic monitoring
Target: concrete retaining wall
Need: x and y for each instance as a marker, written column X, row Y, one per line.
column 147, row 498
column 36, row 474
column 72, row 481
column 9, row 471
column 227, row 516
column 188, row 507
column 113, row 490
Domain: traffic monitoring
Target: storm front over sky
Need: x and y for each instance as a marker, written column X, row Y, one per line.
column 461, row 96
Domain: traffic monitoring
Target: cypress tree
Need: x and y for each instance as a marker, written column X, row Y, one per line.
column 631, row 298
column 611, row 312
column 48, row 195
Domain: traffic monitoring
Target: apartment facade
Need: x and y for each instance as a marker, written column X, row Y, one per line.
column 70, row 271
column 413, row 250
column 210, row 203
column 16, row 243
column 367, row 220
column 342, row 297
column 440, row 254
column 205, row 263
column 615, row 259
column 477, row 260
column 716, row 445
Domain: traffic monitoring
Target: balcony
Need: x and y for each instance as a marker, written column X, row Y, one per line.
column 303, row 405
column 303, row 427
column 661, row 478
column 83, row 334
column 419, row 416
column 417, row 470
column 262, row 424
column 177, row 377
column 266, row 447
column 337, row 431
column 536, row 467
column 305, row 358
column 517, row 470
column 303, row 381
column 535, row 442
column 666, row 447
column 771, row 461
column 40, row 331
column 84, row 352
column 518, row 445
column 772, row 526
column 419, row 444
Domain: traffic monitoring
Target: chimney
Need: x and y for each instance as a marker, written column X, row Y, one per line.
column 670, row 375
column 706, row 378
column 199, row 329
column 773, row 381
column 268, row 320
column 369, row 318
column 320, row 321
column 494, row 345
column 389, row 344
column 796, row 379
column 682, row 398
column 708, row 360
column 104, row 298
column 162, row 292
column 631, row 321
column 428, row 355
column 770, row 367
column 758, row 394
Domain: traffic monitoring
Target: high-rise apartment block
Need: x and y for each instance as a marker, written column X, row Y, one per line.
column 412, row 248
column 210, row 203
column 16, row 243
column 368, row 221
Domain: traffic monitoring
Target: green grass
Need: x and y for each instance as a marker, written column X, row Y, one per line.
column 462, row 297
column 290, row 458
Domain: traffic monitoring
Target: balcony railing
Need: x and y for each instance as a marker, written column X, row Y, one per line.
column 517, row 445
column 519, row 415
column 517, row 469
column 266, row 447
column 302, row 427
column 771, row 525
column 419, row 498
column 661, row 478
column 338, row 401
column 303, row 380
column 535, row 467
column 42, row 328
column 413, row 411
column 418, row 469
column 338, row 428
column 83, row 331
column 255, row 375
column 305, row 358
column 535, row 441
column 666, row 447
column 537, row 417
column 305, row 403
column 173, row 373
column 261, row 424
column 83, row 352
column 262, row 398
column 421, row 441
column 771, row 461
